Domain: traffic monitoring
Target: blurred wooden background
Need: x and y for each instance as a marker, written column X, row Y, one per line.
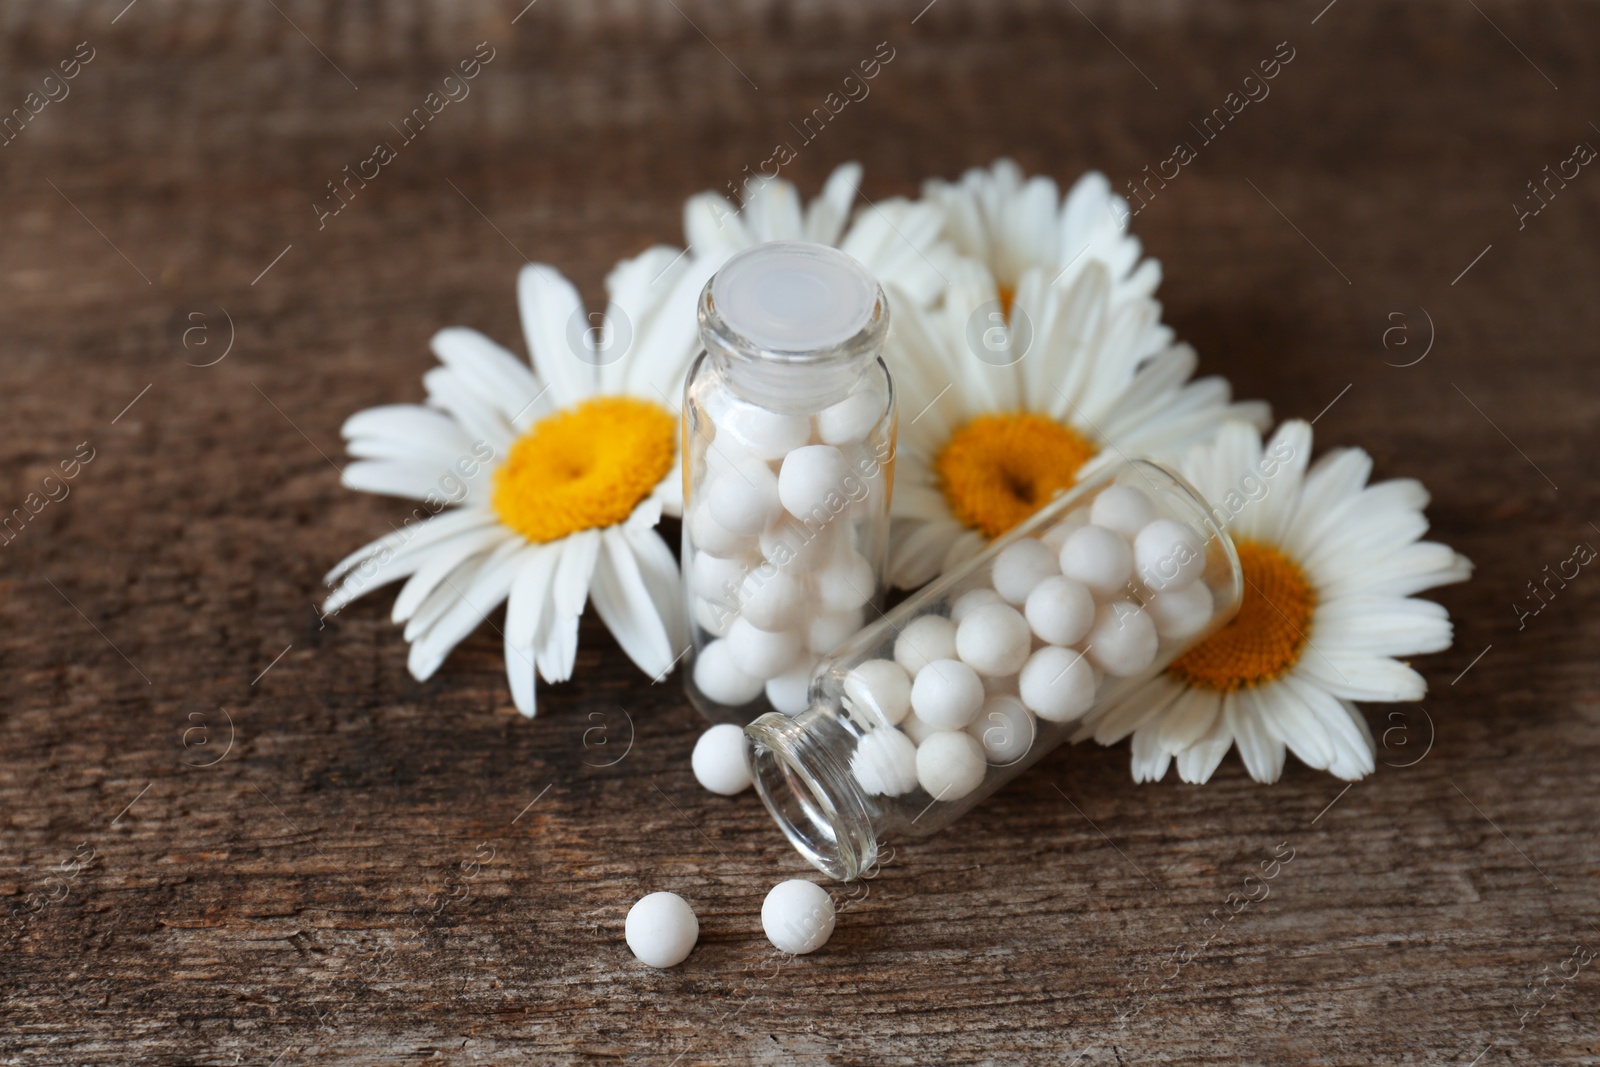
column 381, row 871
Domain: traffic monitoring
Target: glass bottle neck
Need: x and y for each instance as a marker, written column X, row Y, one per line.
column 811, row 792
column 789, row 386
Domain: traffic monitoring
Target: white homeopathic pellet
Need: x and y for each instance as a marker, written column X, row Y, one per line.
column 879, row 688
column 947, row 693
column 1169, row 555
column 762, row 653
column 1021, row 566
column 845, row 582
column 661, row 929
column 1122, row 508
column 1057, row 684
column 718, row 677
column 1005, row 729
column 851, row 419
column 792, row 543
column 950, row 764
column 713, row 616
column 994, row 640
column 812, row 478
column 790, row 692
column 1057, row 535
column 885, row 763
column 744, row 498
column 767, row 434
column 771, row 598
column 1123, row 640
column 1181, row 613
column 827, row 630
column 916, row 729
column 925, row 638
column 797, row 916
column 719, row 760
column 723, row 453
column 1060, row 610
column 709, row 535
column 971, row 600
column 1099, row 558
column 716, row 577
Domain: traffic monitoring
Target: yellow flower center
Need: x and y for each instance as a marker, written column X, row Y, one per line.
column 1265, row 639
column 998, row 469
column 1008, row 294
column 585, row 466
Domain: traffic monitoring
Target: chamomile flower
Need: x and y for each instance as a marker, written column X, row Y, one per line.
column 897, row 240
column 1002, row 408
column 1011, row 224
column 541, row 486
column 1331, row 564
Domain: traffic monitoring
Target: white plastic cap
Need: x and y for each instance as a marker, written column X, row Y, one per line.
column 794, row 296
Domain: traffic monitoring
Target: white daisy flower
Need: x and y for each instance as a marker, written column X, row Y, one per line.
column 1010, row 224
column 1000, row 409
column 1330, row 566
column 897, row 240
column 541, row 487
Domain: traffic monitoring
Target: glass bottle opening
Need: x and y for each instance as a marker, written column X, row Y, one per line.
column 810, row 793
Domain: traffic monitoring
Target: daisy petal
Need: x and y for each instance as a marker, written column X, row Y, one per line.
column 625, row 606
column 1150, row 763
column 527, row 605
column 1287, row 718
column 1199, row 761
column 1190, row 717
column 1385, row 626
column 1412, row 569
column 826, row 218
column 1352, row 746
column 388, row 478
column 1261, row 751
column 1357, row 677
column 399, row 431
column 409, row 538
column 570, row 590
column 918, row 550
column 485, row 591
column 1133, row 711
column 498, row 377
column 772, row 210
column 1291, row 448
column 479, row 419
column 445, row 558
column 549, row 305
column 659, row 569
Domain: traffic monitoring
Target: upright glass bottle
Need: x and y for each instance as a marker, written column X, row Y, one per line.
column 949, row 696
column 788, row 450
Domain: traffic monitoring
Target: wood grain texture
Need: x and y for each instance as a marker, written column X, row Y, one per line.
column 313, row 896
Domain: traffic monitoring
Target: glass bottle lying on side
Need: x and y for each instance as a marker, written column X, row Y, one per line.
column 920, row 716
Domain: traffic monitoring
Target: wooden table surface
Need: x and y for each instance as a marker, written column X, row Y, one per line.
column 378, row 871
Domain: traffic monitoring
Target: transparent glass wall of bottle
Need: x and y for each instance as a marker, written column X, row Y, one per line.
column 813, row 576
column 822, row 773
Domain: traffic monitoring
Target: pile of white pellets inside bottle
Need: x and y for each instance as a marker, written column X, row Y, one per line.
column 1040, row 637
column 777, row 577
